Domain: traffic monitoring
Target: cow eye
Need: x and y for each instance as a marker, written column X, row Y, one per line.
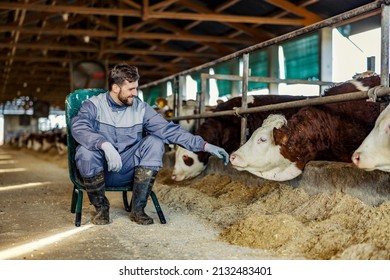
column 261, row 140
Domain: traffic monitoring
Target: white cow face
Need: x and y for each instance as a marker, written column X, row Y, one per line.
column 187, row 165
column 261, row 157
column 374, row 152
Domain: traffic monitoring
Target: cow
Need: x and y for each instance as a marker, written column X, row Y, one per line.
column 225, row 131
column 374, row 151
column 360, row 82
column 280, row 149
column 164, row 106
column 47, row 140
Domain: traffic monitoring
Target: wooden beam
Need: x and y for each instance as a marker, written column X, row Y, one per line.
column 227, row 4
column 170, row 27
column 153, row 14
column 227, row 18
column 125, row 35
column 297, row 10
column 72, row 9
column 162, row 4
column 131, row 4
column 35, row 59
column 239, row 26
column 112, row 49
column 145, row 10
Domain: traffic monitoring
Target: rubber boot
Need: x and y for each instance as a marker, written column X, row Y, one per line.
column 142, row 186
column 95, row 188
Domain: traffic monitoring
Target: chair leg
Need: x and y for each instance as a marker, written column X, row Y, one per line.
column 79, row 207
column 158, row 208
column 74, row 200
column 126, row 202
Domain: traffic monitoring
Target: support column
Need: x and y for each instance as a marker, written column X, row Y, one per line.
column 273, row 55
column 326, row 56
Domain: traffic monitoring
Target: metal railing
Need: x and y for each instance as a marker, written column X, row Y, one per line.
column 245, row 78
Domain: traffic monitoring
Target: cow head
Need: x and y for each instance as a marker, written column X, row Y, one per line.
column 187, row 165
column 374, row 152
column 261, row 156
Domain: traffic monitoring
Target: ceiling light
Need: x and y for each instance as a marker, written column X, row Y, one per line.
column 65, row 17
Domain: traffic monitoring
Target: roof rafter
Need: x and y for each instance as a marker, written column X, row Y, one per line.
column 154, row 14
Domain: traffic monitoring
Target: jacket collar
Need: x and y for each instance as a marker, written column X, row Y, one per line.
column 114, row 106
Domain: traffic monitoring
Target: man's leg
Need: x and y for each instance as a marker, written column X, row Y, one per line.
column 90, row 166
column 148, row 162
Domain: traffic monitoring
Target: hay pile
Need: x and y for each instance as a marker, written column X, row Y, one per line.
column 287, row 221
column 274, row 216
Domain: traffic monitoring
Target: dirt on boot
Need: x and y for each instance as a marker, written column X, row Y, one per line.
column 101, row 217
column 141, row 218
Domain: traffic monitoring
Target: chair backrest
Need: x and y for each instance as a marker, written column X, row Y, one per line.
column 73, row 104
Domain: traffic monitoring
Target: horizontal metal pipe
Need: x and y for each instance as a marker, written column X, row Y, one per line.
column 292, row 104
column 265, row 79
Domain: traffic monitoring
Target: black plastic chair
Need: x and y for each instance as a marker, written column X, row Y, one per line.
column 72, row 106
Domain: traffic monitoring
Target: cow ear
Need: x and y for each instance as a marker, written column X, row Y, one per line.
column 281, row 136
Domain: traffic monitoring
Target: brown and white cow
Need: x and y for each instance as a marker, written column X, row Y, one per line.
column 360, row 82
column 224, row 131
column 188, row 108
column 280, row 149
column 45, row 141
column 374, row 151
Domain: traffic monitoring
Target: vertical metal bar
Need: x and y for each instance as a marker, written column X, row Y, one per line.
column 244, row 104
column 273, row 68
column 197, row 110
column 371, row 63
column 182, row 88
column 71, row 86
column 203, row 93
column 385, row 22
column 175, row 96
column 106, row 74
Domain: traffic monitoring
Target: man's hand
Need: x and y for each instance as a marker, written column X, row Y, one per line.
column 113, row 158
column 218, row 152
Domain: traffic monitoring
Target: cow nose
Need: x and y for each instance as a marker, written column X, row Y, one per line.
column 232, row 157
column 356, row 158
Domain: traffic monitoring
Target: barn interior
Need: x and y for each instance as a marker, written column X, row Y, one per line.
column 209, row 51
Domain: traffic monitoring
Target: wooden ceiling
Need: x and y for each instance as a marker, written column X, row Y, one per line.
column 42, row 41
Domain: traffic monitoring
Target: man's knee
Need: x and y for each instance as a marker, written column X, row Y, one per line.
column 89, row 162
column 154, row 143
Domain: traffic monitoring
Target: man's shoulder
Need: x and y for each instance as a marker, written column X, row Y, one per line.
column 138, row 103
column 96, row 99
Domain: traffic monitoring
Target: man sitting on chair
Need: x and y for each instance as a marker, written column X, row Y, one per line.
column 112, row 150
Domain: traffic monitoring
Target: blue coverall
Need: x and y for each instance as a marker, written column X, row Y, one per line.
column 101, row 119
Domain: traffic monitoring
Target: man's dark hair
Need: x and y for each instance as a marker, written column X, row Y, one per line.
column 122, row 72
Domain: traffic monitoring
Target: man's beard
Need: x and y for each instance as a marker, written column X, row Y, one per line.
column 126, row 101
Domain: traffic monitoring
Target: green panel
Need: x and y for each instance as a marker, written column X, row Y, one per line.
column 302, row 58
column 258, row 65
column 152, row 93
column 230, row 67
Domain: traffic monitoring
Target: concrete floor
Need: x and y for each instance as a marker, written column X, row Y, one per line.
column 36, row 222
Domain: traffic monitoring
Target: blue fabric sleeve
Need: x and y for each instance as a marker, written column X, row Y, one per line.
column 84, row 127
column 170, row 132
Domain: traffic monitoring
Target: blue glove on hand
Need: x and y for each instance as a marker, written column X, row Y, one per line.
column 113, row 158
column 218, row 152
